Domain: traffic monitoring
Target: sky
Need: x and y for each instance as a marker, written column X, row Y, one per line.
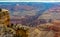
column 30, row 0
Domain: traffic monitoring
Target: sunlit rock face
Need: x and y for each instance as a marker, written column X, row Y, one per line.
column 4, row 17
column 53, row 14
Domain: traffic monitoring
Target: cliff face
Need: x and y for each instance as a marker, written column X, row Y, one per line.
column 4, row 17
column 34, row 17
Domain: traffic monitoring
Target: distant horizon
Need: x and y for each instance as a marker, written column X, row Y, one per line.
column 36, row 5
column 22, row 7
column 30, row 0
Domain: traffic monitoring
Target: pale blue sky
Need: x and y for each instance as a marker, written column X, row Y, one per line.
column 29, row 0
